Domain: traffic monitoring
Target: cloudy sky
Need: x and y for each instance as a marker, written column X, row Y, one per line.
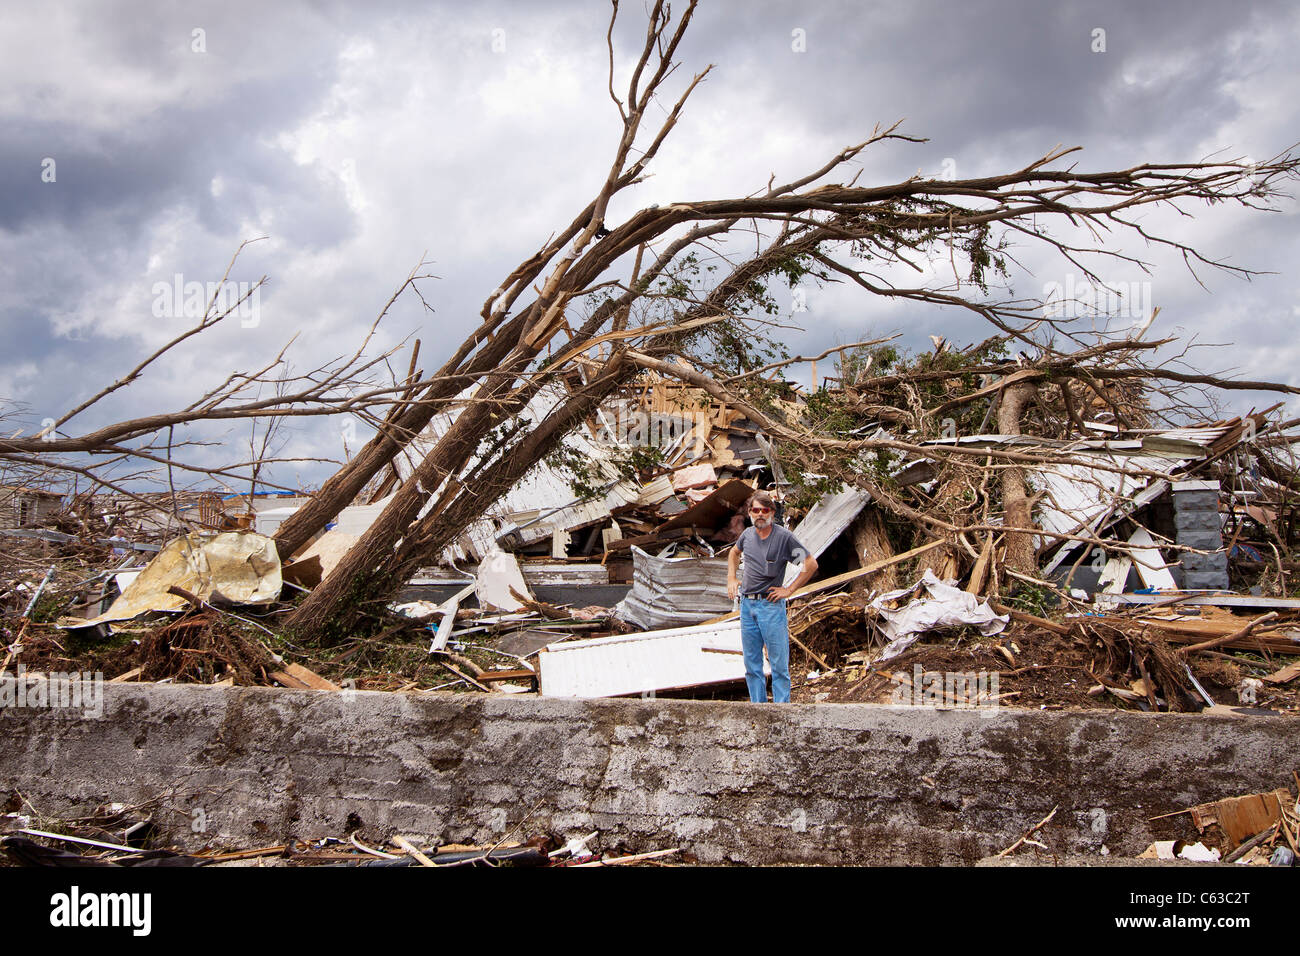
column 146, row 140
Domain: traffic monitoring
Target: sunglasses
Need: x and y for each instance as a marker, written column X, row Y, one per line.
column 760, row 511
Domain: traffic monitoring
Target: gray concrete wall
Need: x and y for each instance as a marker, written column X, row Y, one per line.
column 731, row 782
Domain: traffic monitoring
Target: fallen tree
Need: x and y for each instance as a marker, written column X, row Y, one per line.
column 647, row 268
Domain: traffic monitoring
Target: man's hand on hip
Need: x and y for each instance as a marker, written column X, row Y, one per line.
column 779, row 594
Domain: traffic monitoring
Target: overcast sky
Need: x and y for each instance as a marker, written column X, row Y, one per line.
column 360, row 137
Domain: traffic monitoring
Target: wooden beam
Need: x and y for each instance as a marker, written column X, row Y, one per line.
column 818, row 586
column 300, row 678
column 1024, row 618
column 871, row 568
column 1285, row 675
column 1234, row 636
column 981, row 569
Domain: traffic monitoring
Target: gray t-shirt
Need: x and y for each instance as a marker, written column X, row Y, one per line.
column 765, row 559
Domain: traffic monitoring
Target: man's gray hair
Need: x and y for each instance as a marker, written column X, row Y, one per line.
column 762, row 498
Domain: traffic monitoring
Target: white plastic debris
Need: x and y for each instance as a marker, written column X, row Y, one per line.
column 499, row 580
column 1248, row 691
column 418, row 610
column 943, row 606
column 576, row 847
column 1199, row 853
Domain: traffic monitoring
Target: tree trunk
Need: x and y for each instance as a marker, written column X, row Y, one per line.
column 376, row 566
column 345, row 484
column 1015, row 498
column 871, row 544
column 333, row 605
column 441, row 525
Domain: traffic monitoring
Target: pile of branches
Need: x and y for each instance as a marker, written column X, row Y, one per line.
column 203, row 648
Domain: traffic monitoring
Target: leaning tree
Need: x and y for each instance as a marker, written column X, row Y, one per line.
column 613, row 298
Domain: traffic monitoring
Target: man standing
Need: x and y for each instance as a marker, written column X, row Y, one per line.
column 767, row 550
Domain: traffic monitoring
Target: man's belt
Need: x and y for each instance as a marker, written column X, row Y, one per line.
column 758, row 596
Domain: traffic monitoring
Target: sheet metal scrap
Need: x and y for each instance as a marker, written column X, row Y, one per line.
column 241, row 566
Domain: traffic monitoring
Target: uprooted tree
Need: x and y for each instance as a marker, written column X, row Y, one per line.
column 669, row 288
column 689, row 289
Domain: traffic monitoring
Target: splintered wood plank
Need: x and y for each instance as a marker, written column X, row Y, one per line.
column 1242, row 817
column 1285, row 675
column 1276, row 641
column 489, row 677
column 300, row 678
column 288, row 680
column 981, row 569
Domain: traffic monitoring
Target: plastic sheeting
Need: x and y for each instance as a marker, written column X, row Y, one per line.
column 942, row 606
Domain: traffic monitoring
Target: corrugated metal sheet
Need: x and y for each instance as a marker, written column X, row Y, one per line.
column 1174, row 442
column 1139, row 500
column 673, row 592
column 1078, row 494
column 826, row 521
column 638, row 663
column 1202, row 435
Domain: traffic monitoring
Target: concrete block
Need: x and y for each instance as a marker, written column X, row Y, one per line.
column 1192, row 563
column 1202, row 540
column 1196, row 501
column 1205, row 581
column 1197, row 521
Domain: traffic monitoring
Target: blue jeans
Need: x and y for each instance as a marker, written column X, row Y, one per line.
column 763, row 624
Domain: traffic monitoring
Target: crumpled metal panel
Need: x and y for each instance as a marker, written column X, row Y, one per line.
column 1078, row 493
column 639, row 663
column 673, row 592
column 240, row 565
column 824, row 522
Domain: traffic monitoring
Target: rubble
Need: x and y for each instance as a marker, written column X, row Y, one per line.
column 132, row 835
column 624, row 567
column 1005, row 524
column 39, row 848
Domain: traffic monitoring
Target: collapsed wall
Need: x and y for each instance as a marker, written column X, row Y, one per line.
column 728, row 782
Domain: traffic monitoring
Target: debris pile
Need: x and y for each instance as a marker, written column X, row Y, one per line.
column 1253, row 829
column 120, row 835
column 603, row 572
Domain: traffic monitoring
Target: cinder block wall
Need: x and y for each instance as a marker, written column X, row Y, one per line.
column 730, row 782
column 1196, row 518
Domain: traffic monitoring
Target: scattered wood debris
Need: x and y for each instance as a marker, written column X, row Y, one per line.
column 122, row 836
